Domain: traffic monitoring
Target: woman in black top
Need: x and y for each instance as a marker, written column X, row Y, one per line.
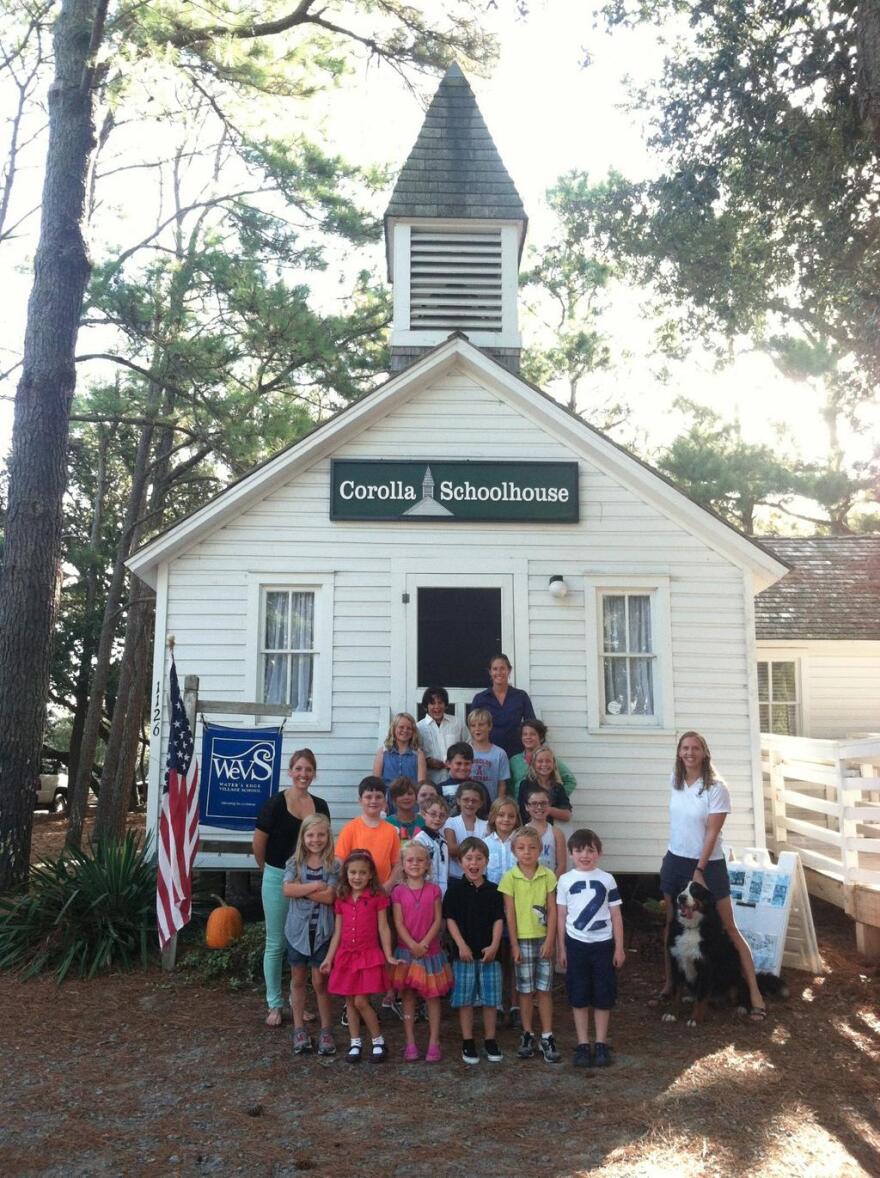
column 275, row 838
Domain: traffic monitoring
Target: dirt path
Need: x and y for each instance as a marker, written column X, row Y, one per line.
column 148, row 1075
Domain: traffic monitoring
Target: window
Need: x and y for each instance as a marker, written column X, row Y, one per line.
column 629, row 664
column 778, row 697
column 289, row 649
column 627, row 655
column 288, row 652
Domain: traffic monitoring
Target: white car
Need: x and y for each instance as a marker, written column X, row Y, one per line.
column 51, row 789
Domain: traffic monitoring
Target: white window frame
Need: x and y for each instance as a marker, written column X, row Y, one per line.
column 320, row 718
column 657, row 589
column 798, row 693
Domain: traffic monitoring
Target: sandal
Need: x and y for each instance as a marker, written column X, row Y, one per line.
column 757, row 1014
column 274, row 1018
column 379, row 1052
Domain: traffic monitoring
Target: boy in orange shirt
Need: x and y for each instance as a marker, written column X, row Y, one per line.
column 370, row 832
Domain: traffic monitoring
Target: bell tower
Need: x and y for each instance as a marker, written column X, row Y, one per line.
column 454, row 233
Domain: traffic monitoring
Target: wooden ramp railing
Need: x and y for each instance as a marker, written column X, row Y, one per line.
column 822, row 799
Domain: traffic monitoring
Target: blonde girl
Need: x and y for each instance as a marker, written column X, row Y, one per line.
column 310, row 880
column 401, row 755
column 544, row 774
column 360, row 950
column 503, row 821
column 554, row 853
column 424, row 971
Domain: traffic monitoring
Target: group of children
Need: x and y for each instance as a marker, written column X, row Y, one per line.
column 492, row 881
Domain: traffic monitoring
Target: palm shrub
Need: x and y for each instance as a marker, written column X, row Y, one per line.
column 83, row 912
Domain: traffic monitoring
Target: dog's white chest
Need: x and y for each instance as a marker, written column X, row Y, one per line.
column 686, row 951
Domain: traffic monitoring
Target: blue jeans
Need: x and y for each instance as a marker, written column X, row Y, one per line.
column 275, row 905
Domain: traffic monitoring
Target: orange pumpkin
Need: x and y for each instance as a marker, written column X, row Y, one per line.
column 224, row 926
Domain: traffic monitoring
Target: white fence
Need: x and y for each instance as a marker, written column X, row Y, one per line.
column 823, row 801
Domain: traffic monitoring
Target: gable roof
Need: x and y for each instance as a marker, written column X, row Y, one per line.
column 546, row 413
column 454, row 169
column 831, row 592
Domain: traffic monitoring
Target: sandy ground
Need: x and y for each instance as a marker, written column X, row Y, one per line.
column 152, row 1074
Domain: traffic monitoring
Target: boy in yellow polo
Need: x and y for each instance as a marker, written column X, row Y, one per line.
column 529, row 892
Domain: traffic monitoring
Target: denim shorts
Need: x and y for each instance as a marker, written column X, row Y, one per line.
column 312, row 960
column 676, row 872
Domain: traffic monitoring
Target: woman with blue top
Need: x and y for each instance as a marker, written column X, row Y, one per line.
column 508, row 705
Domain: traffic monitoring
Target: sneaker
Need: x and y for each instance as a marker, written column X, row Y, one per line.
column 302, row 1044
column 549, row 1049
column 343, row 1022
column 410, row 1053
column 469, row 1051
column 493, row 1051
column 602, row 1056
column 583, row 1056
column 434, row 1053
column 513, row 1019
column 326, row 1042
column 422, row 1013
column 389, row 1008
column 526, row 1047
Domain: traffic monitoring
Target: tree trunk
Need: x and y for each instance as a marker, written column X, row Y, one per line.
column 38, row 466
column 112, row 605
column 128, row 714
column 90, row 636
column 868, row 73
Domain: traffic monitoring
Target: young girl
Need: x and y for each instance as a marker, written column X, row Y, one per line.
column 423, row 968
column 360, row 949
column 544, row 774
column 471, row 798
column 433, row 840
column 533, row 733
column 428, row 792
column 401, row 755
column 553, row 852
column 503, row 821
column 310, row 880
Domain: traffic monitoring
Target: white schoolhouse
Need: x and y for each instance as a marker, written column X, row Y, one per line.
column 457, row 511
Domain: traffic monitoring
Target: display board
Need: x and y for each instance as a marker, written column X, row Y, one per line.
column 772, row 910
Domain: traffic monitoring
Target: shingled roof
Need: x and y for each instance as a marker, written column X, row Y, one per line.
column 832, row 591
column 454, row 169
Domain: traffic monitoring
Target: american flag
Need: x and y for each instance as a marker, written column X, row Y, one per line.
column 178, row 823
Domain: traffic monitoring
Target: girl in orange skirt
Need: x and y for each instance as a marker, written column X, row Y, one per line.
column 422, row 970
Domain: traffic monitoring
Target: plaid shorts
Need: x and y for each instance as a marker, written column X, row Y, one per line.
column 533, row 972
column 476, row 984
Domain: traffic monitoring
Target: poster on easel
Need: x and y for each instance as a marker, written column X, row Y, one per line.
column 772, row 910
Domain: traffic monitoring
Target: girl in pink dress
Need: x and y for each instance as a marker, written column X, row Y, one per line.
column 359, row 950
column 422, row 970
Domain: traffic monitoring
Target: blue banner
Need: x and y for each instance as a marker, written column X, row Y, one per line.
column 241, row 768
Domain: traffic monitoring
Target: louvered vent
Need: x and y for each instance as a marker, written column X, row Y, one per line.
column 455, row 280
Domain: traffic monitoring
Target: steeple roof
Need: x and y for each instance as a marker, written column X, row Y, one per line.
column 454, row 169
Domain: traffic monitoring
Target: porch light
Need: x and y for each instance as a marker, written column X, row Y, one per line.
column 558, row 587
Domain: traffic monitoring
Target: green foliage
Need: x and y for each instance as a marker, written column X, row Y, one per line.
column 84, row 912
column 239, row 966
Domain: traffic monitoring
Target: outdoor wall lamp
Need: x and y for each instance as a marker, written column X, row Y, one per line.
column 558, row 587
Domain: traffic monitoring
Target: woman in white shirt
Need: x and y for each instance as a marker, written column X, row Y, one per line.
column 699, row 802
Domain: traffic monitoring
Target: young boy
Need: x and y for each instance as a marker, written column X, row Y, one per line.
column 530, row 907
column 432, row 837
column 590, row 945
column 491, row 766
column 438, row 730
column 474, row 914
column 406, row 817
column 370, row 832
column 459, row 758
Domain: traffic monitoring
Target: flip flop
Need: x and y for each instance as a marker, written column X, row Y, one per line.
column 274, row 1018
column 757, row 1014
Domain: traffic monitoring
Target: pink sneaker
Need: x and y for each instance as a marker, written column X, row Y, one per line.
column 410, row 1053
column 433, row 1054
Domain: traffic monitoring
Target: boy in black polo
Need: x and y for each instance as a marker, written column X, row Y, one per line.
column 474, row 911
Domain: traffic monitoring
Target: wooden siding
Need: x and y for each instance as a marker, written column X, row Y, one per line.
column 839, row 682
column 623, row 775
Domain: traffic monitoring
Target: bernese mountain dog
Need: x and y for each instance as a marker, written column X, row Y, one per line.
column 705, row 964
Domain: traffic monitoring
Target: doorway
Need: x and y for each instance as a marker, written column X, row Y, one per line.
column 455, row 624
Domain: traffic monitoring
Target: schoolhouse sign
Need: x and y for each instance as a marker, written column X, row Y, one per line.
column 241, row 768
column 447, row 491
